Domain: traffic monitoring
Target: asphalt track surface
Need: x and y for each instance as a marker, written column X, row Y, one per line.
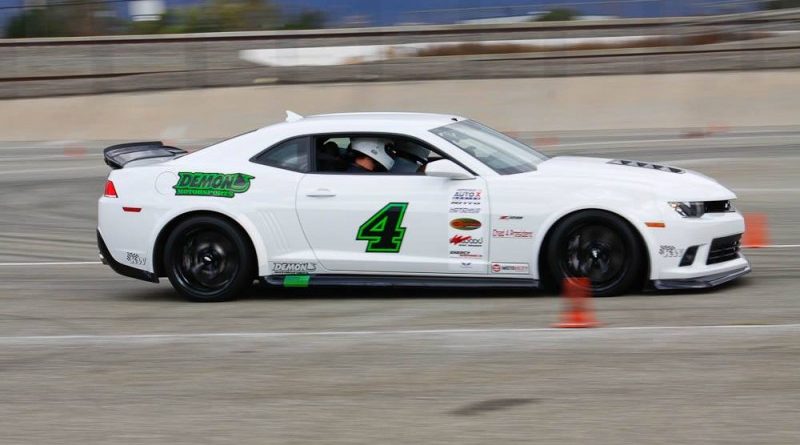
column 87, row 356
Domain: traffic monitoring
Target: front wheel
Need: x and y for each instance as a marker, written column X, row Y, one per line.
column 208, row 259
column 599, row 246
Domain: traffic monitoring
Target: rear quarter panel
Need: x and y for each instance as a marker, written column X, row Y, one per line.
column 131, row 237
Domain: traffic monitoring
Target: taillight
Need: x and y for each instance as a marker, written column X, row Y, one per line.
column 110, row 192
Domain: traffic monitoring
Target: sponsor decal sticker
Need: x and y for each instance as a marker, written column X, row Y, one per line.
column 465, row 254
column 468, row 249
column 510, row 217
column 466, row 196
column 510, row 268
column 467, row 210
column 223, row 185
column 670, row 251
column 457, row 239
column 466, row 241
column 293, row 268
column 465, row 224
column 511, row 233
column 135, row 259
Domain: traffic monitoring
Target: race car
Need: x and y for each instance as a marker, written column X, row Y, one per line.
column 408, row 199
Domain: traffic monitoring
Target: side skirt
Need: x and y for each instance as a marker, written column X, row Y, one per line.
column 398, row 281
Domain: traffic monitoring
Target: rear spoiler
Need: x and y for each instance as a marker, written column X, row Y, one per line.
column 117, row 156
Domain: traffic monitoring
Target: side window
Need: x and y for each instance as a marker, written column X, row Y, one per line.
column 395, row 155
column 288, row 155
column 332, row 153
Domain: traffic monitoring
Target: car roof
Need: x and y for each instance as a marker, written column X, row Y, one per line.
column 375, row 121
column 295, row 125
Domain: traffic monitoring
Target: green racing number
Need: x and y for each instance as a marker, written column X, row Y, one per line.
column 382, row 230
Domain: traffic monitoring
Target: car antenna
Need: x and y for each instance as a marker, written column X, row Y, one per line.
column 291, row 116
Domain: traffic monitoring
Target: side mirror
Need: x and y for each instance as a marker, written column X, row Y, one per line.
column 445, row 168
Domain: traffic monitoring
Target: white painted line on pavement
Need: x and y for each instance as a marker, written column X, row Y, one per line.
column 50, row 263
column 50, row 170
column 122, row 338
column 60, row 157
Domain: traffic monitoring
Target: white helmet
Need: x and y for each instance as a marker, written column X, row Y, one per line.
column 375, row 148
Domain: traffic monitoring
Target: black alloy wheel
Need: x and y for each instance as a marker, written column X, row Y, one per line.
column 599, row 246
column 208, row 259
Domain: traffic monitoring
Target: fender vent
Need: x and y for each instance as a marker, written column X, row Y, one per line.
column 663, row 168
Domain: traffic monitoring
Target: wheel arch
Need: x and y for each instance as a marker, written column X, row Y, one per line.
column 548, row 229
column 160, row 241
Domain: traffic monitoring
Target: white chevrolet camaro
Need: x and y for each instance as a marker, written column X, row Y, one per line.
column 444, row 201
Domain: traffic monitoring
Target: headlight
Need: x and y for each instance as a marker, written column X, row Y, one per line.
column 692, row 209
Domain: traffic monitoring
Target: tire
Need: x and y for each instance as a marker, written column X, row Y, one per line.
column 597, row 245
column 208, row 259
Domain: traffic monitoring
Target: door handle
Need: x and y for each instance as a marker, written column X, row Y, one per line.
column 320, row 193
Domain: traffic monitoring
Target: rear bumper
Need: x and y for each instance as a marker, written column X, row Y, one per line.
column 703, row 282
column 106, row 258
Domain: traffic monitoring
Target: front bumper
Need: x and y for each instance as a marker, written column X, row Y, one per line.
column 106, row 258
column 703, row 282
column 668, row 246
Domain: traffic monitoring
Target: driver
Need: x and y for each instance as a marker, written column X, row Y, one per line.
column 371, row 156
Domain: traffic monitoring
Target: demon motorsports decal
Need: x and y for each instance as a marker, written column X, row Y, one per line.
column 293, row 268
column 224, row 185
column 383, row 231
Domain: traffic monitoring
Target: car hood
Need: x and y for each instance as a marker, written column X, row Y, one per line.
column 672, row 182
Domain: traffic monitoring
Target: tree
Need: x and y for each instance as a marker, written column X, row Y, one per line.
column 306, row 20
column 230, row 15
column 62, row 20
column 34, row 23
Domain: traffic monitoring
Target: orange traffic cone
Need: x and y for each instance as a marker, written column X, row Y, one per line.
column 755, row 232
column 578, row 313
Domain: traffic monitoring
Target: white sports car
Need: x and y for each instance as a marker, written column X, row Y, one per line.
column 407, row 199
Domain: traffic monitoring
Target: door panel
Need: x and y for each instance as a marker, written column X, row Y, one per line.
column 394, row 224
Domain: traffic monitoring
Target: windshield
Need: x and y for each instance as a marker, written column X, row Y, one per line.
column 499, row 152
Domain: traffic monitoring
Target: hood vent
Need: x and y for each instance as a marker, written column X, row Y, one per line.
column 663, row 168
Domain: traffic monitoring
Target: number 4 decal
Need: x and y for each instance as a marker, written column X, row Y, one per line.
column 382, row 230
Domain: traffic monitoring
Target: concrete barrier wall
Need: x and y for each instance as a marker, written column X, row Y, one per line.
column 111, row 64
column 686, row 100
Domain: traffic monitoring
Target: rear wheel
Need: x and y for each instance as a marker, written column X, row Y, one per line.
column 208, row 259
column 599, row 246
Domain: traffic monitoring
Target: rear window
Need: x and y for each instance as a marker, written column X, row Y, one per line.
column 291, row 154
